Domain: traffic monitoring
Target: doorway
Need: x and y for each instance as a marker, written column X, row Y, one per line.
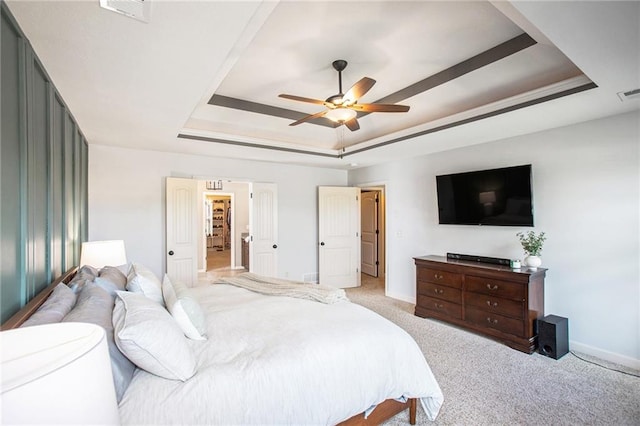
column 373, row 235
column 240, row 232
column 218, row 231
column 223, row 209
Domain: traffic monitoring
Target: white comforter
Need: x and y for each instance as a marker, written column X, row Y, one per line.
column 280, row 360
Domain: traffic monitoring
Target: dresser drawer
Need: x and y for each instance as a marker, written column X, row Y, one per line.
column 442, row 307
column 492, row 304
column 491, row 320
column 440, row 291
column 449, row 279
column 497, row 288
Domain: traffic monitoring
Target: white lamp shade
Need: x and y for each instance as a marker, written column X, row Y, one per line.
column 103, row 253
column 57, row 374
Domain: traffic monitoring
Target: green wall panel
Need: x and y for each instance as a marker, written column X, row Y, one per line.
column 37, row 178
column 69, row 191
column 44, row 176
column 84, row 191
column 56, row 194
column 10, row 224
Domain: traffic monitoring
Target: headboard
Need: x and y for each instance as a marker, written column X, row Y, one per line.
column 27, row 310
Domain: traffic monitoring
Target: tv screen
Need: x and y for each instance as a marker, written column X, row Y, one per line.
column 500, row 197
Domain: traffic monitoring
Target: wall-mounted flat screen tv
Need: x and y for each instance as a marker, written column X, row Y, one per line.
column 500, row 197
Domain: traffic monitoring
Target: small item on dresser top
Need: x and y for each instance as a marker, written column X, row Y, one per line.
column 515, row 264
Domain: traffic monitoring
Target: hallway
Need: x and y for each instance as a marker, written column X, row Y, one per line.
column 218, row 259
column 219, row 265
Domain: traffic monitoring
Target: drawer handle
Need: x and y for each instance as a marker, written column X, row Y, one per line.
column 492, row 287
column 492, row 304
column 438, row 305
column 492, row 321
column 437, row 277
column 438, row 291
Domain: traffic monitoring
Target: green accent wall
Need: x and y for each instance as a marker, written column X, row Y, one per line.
column 43, row 175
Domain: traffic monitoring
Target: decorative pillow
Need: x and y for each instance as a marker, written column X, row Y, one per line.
column 124, row 268
column 111, row 279
column 184, row 309
column 85, row 274
column 114, row 275
column 57, row 305
column 142, row 280
column 147, row 334
column 95, row 306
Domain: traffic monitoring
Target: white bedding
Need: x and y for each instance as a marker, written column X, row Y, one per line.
column 281, row 360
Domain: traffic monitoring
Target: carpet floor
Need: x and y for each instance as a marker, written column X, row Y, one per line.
column 488, row 383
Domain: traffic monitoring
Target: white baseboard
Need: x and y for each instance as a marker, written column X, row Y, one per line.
column 627, row 361
column 401, row 297
column 605, row 355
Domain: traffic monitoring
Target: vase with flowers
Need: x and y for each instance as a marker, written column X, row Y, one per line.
column 532, row 246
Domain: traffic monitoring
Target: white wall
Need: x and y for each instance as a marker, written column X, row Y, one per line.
column 127, row 201
column 586, row 198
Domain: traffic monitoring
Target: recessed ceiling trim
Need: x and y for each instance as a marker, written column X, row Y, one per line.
column 485, row 58
column 478, row 117
column 255, row 145
column 341, row 153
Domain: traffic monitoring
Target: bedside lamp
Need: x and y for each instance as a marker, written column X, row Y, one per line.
column 57, row 374
column 103, row 253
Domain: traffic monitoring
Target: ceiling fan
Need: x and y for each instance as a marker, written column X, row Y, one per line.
column 343, row 107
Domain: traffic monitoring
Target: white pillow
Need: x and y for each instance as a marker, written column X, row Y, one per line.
column 142, row 280
column 184, row 309
column 147, row 335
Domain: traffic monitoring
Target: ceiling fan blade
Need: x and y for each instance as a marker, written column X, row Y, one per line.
column 309, row 117
column 302, row 99
column 379, row 107
column 358, row 90
column 352, row 124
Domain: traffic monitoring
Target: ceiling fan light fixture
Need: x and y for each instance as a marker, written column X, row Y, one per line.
column 340, row 114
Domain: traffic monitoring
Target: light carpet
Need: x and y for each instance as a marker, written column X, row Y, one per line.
column 488, row 383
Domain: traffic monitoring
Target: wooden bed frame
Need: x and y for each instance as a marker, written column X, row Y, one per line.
column 27, row 310
column 383, row 411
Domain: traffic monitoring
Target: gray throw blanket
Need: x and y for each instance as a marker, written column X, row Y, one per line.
column 279, row 287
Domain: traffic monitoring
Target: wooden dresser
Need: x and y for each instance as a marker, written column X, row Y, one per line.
column 493, row 300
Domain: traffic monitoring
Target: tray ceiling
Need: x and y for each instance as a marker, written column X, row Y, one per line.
column 203, row 77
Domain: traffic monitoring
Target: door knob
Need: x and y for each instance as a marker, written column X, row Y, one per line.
column 170, row 252
column 322, row 243
column 275, row 246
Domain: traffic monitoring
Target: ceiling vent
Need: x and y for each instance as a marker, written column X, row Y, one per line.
column 136, row 9
column 631, row 94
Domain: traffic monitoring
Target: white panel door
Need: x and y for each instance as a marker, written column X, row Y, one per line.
column 182, row 230
column 339, row 236
column 369, row 223
column 263, row 224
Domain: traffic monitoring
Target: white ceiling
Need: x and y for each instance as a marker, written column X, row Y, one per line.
column 140, row 85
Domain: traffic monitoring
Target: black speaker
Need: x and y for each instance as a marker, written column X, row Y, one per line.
column 553, row 336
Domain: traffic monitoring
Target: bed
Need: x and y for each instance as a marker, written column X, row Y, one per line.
column 257, row 358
